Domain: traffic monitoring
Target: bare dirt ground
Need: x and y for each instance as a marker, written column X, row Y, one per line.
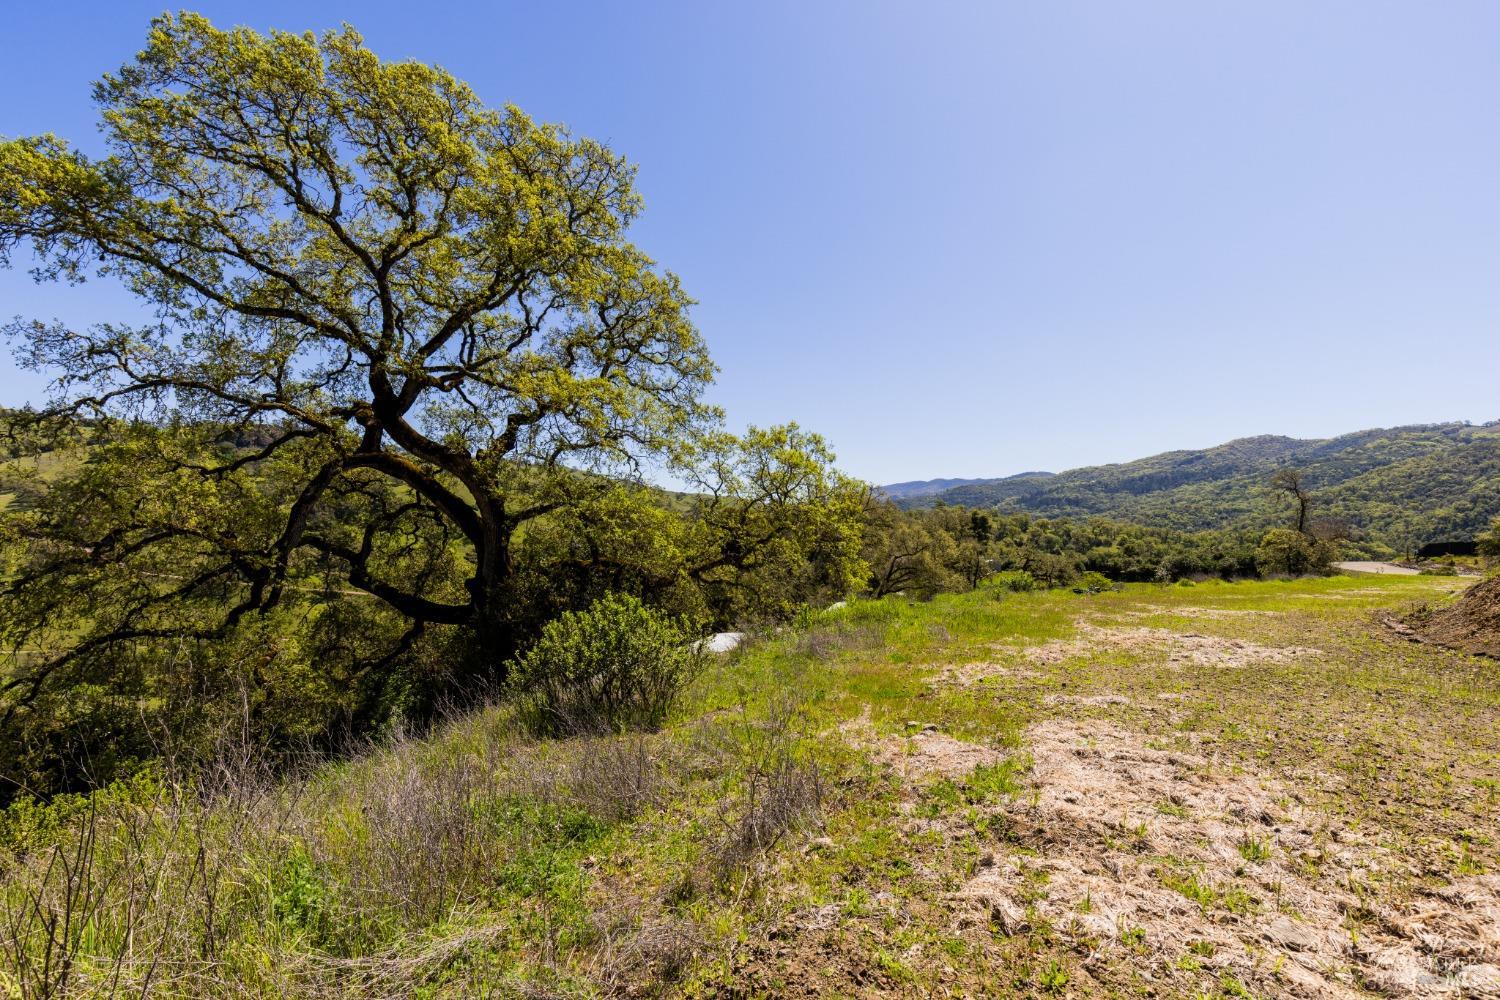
column 1178, row 647
column 1186, row 862
column 1262, row 793
column 1162, row 855
column 1365, row 566
column 923, row 753
column 1179, row 863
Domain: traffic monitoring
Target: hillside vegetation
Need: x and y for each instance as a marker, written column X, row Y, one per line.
column 406, row 371
column 997, row 794
column 1419, row 483
column 346, row 649
column 920, row 488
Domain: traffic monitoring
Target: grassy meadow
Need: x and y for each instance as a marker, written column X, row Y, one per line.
column 1212, row 790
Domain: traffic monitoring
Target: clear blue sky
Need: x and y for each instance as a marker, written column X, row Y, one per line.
column 968, row 239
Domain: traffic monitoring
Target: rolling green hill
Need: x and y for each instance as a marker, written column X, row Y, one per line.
column 1425, row 483
column 1021, row 483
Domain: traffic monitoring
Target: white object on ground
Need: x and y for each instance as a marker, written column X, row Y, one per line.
column 722, row 642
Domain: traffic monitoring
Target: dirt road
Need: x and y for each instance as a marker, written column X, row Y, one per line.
column 1375, row 567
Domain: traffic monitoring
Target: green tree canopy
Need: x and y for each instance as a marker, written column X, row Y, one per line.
column 427, row 317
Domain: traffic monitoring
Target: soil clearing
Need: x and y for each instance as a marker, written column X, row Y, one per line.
column 1072, row 797
column 1176, row 647
column 1382, row 568
column 925, row 753
column 1174, row 859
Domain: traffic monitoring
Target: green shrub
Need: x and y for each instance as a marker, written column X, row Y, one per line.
column 1489, row 541
column 615, row 666
column 1095, row 583
column 1017, row 580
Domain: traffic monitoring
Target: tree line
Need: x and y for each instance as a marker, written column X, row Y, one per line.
column 943, row 548
column 397, row 410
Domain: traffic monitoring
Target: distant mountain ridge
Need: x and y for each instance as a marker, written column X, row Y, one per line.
column 932, row 487
column 1431, row 481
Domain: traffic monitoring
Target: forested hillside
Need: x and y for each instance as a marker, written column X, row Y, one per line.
column 1424, row 482
column 1021, row 482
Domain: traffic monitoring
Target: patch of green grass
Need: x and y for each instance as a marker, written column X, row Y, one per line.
column 297, row 891
column 1054, row 977
column 1254, row 849
column 1229, row 986
column 1238, row 901
column 1467, row 863
column 893, row 967
column 1189, row 883
column 996, row 782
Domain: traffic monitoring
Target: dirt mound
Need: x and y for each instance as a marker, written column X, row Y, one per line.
column 1197, row 869
column 1471, row 625
column 1178, row 647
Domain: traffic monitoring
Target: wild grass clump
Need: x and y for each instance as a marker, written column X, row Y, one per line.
column 1017, row 581
column 616, row 666
column 359, row 876
column 99, row 892
column 827, row 642
column 774, row 801
column 771, row 782
column 473, row 859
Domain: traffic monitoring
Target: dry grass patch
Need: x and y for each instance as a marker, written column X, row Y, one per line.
column 1176, row 860
column 1209, row 614
column 1176, row 647
column 922, row 753
column 963, row 675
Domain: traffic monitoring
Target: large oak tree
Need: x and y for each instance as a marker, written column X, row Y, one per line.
column 399, row 338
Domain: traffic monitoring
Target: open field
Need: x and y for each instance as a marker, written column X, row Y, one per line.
column 1222, row 790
